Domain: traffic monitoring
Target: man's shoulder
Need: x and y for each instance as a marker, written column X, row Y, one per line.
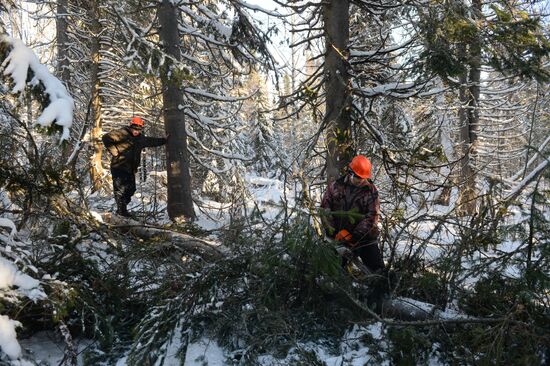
column 331, row 185
column 341, row 181
column 372, row 186
column 370, row 189
column 122, row 130
column 118, row 134
column 337, row 185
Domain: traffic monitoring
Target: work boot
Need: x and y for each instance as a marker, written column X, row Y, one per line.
column 123, row 211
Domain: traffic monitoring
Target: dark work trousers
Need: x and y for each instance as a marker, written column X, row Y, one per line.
column 370, row 255
column 124, row 187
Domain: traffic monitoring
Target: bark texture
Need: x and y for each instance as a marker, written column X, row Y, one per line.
column 180, row 202
column 338, row 99
column 96, row 167
column 469, row 118
column 62, row 69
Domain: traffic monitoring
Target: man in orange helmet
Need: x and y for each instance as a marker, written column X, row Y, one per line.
column 352, row 210
column 125, row 146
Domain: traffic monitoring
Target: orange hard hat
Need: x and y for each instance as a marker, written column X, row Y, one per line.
column 137, row 121
column 361, row 166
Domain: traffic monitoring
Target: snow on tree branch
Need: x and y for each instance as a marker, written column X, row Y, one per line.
column 212, row 96
column 8, row 337
column 533, row 159
column 10, row 225
column 25, row 285
column 17, row 64
column 528, row 179
column 254, row 7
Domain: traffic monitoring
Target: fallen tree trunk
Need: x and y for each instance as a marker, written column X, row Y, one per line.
column 168, row 238
column 408, row 312
column 402, row 311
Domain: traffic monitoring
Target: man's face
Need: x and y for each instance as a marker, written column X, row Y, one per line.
column 357, row 180
column 135, row 131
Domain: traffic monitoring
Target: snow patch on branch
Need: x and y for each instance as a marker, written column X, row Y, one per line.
column 8, row 337
column 10, row 225
column 218, row 97
column 28, row 286
column 11, row 276
column 14, row 284
column 259, row 8
column 528, row 179
column 389, row 89
column 16, row 65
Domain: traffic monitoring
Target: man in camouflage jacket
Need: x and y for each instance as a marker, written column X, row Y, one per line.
column 352, row 210
column 125, row 146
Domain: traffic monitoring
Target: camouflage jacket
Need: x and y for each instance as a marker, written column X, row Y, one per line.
column 125, row 148
column 356, row 209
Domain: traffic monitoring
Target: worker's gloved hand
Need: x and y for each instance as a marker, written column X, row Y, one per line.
column 343, row 235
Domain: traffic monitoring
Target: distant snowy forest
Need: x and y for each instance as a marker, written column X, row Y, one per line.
column 225, row 259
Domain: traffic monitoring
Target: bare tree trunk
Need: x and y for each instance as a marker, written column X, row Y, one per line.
column 467, row 179
column 180, row 202
column 338, row 100
column 96, row 167
column 62, row 69
column 469, row 119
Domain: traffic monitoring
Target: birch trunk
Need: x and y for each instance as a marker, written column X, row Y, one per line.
column 96, row 167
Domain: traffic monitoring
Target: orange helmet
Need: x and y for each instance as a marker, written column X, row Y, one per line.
column 137, row 121
column 361, row 166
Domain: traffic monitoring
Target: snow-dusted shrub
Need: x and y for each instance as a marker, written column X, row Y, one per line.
column 513, row 286
column 518, row 334
column 495, row 269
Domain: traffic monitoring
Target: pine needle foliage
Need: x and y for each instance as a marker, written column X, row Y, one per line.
column 273, row 292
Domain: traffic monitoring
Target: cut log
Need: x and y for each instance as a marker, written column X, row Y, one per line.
column 180, row 241
column 408, row 309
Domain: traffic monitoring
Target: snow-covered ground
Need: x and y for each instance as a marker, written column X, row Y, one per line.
column 47, row 349
column 352, row 351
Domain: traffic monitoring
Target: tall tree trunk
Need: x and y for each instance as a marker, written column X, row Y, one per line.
column 469, row 119
column 466, row 170
column 180, row 202
column 96, row 167
column 338, row 100
column 445, row 139
column 62, row 69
